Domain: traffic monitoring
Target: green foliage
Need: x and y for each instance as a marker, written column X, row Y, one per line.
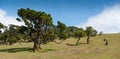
column 62, row 36
column 61, row 26
column 71, row 30
column 62, row 31
column 1, row 35
column 49, row 36
column 18, row 19
column 1, row 25
column 79, row 33
column 89, row 30
column 94, row 33
column 11, row 34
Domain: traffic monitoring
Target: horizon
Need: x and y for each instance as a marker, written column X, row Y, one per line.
column 103, row 15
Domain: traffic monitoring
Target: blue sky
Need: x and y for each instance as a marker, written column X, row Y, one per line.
column 70, row 12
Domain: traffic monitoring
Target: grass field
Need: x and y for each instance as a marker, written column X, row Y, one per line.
column 67, row 49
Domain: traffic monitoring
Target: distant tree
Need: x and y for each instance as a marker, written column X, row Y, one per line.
column 61, row 32
column 94, row 33
column 100, row 33
column 89, row 31
column 78, row 34
column 11, row 35
column 3, row 36
column 71, row 30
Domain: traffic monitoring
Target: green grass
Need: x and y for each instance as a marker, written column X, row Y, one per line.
column 67, row 49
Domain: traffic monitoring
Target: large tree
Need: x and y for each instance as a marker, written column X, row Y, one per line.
column 39, row 25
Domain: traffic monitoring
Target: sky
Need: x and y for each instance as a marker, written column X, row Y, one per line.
column 103, row 15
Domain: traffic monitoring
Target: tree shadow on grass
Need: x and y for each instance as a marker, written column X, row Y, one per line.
column 47, row 50
column 71, row 44
column 15, row 50
column 74, row 44
column 82, row 43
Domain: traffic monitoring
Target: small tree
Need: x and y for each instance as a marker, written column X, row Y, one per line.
column 89, row 31
column 61, row 31
column 71, row 30
column 78, row 34
column 100, row 33
column 94, row 33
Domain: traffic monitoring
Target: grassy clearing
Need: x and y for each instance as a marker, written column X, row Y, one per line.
column 67, row 49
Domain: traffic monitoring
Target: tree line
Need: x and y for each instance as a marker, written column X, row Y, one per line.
column 39, row 28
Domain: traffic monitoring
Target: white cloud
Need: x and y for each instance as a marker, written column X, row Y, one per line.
column 6, row 20
column 107, row 21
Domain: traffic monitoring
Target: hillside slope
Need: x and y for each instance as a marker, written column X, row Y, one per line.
column 67, row 49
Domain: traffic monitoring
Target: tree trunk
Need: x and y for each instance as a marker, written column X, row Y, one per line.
column 10, row 43
column 36, row 46
column 78, row 41
column 6, row 42
column 88, row 39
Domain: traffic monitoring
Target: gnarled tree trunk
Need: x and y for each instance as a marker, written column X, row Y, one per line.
column 78, row 41
column 88, row 39
column 36, row 46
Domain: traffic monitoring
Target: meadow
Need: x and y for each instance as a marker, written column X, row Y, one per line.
column 67, row 49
